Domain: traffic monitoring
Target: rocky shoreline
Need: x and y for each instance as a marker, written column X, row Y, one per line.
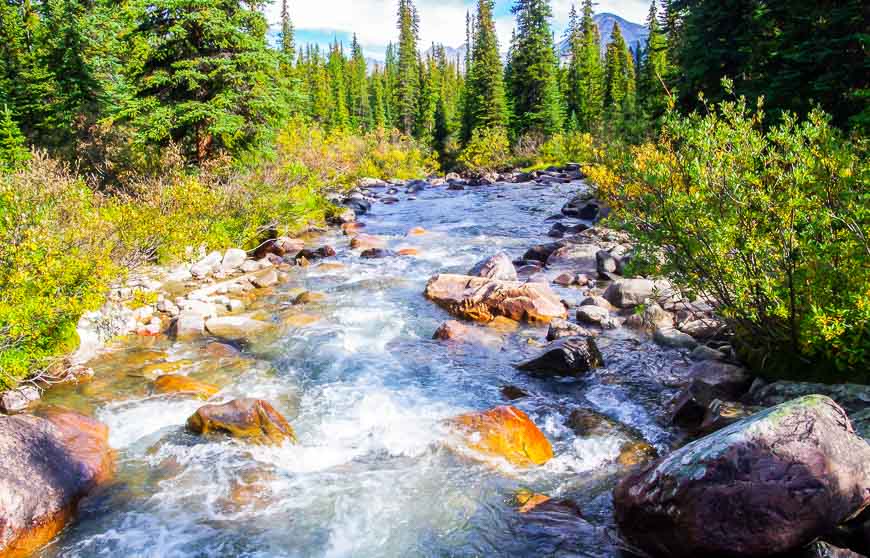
column 765, row 469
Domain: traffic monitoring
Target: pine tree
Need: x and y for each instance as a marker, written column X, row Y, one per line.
column 339, row 117
column 378, row 99
column 534, row 71
column 358, row 89
column 13, row 150
column 619, row 83
column 288, row 39
column 408, row 73
column 391, row 78
column 200, row 75
column 585, row 72
column 485, row 102
column 654, row 69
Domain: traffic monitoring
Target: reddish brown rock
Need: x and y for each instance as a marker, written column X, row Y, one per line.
column 480, row 299
column 504, row 432
column 173, row 383
column 252, row 419
column 49, row 464
column 279, row 247
column 770, row 483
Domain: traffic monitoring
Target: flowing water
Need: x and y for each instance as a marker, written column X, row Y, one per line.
column 367, row 391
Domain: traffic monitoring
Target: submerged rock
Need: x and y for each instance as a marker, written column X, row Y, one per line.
column 365, row 241
column 480, row 299
column 570, row 356
column 452, row 330
column 498, row 267
column 563, row 328
column 504, row 432
column 48, row 465
column 174, row 383
column 252, row 419
column 236, row 328
column 770, row 483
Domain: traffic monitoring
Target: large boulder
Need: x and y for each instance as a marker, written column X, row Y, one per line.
column 570, row 356
column 233, row 259
column 498, row 267
column 207, row 265
column 504, row 432
column 770, row 483
column 852, row 397
column 254, row 420
column 482, row 300
column 48, row 465
column 236, row 328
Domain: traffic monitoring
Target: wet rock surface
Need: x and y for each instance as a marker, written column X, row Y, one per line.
column 770, row 483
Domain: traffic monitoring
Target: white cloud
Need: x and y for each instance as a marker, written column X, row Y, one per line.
column 441, row 21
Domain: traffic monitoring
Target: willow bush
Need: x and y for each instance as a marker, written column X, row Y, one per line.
column 769, row 223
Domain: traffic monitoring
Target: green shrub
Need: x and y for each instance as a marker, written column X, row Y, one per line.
column 488, row 150
column 770, row 224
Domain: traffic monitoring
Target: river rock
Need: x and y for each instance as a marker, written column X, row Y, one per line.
column 236, row 328
column 498, row 267
column 376, row 253
column 770, row 483
column 252, row 419
column 207, row 265
column 541, row 252
column 592, row 315
column 281, row 246
column 265, row 278
column 825, row 550
column 505, row 432
column 570, row 356
column 669, row 336
column 452, row 330
column 364, row 241
column 174, row 383
column 726, row 381
column 19, row 399
column 605, row 263
column 48, row 465
column 628, row 293
column 233, row 259
column 188, row 325
column 563, row 328
column 852, row 397
column 482, row 299
column 578, row 257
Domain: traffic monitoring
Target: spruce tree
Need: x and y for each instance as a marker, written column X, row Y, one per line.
column 654, row 70
column 534, row 71
column 485, row 103
column 378, row 99
column 339, row 117
column 619, row 84
column 13, row 149
column 200, row 75
column 288, row 38
column 586, row 73
column 358, row 89
column 408, row 73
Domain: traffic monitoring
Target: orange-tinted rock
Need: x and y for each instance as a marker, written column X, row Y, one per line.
column 528, row 500
column 221, row 350
column 452, row 330
column 366, row 241
column 48, row 464
column 252, row 419
column 635, row 453
column 308, row 297
column 172, row 383
column 407, row 251
column 300, row 320
column 505, row 432
column 350, row 228
column 417, row 231
column 482, row 300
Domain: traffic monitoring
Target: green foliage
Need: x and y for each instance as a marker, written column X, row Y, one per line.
column 485, row 101
column 534, row 83
column 201, row 76
column 487, row 151
column 772, row 226
column 407, row 89
column 568, row 147
column 13, row 151
column 619, row 84
column 585, row 75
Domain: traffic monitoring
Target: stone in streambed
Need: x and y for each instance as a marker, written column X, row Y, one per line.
column 563, row 328
column 498, row 267
column 265, row 278
column 18, row 400
column 570, row 356
column 173, row 383
column 376, row 253
column 48, row 465
column 628, row 293
column 365, row 241
column 236, row 328
column 481, row 299
column 452, row 330
column 254, row 420
column 770, row 483
column 233, row 259
column 504, row 432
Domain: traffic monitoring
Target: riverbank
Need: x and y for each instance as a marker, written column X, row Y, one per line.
column 339, row 343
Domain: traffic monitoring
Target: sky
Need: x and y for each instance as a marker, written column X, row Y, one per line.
column 441, row 21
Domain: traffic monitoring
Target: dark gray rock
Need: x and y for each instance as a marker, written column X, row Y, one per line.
column 570, row 356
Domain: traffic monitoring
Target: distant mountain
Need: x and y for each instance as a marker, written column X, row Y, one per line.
column 453, row 54
column 634, row 34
